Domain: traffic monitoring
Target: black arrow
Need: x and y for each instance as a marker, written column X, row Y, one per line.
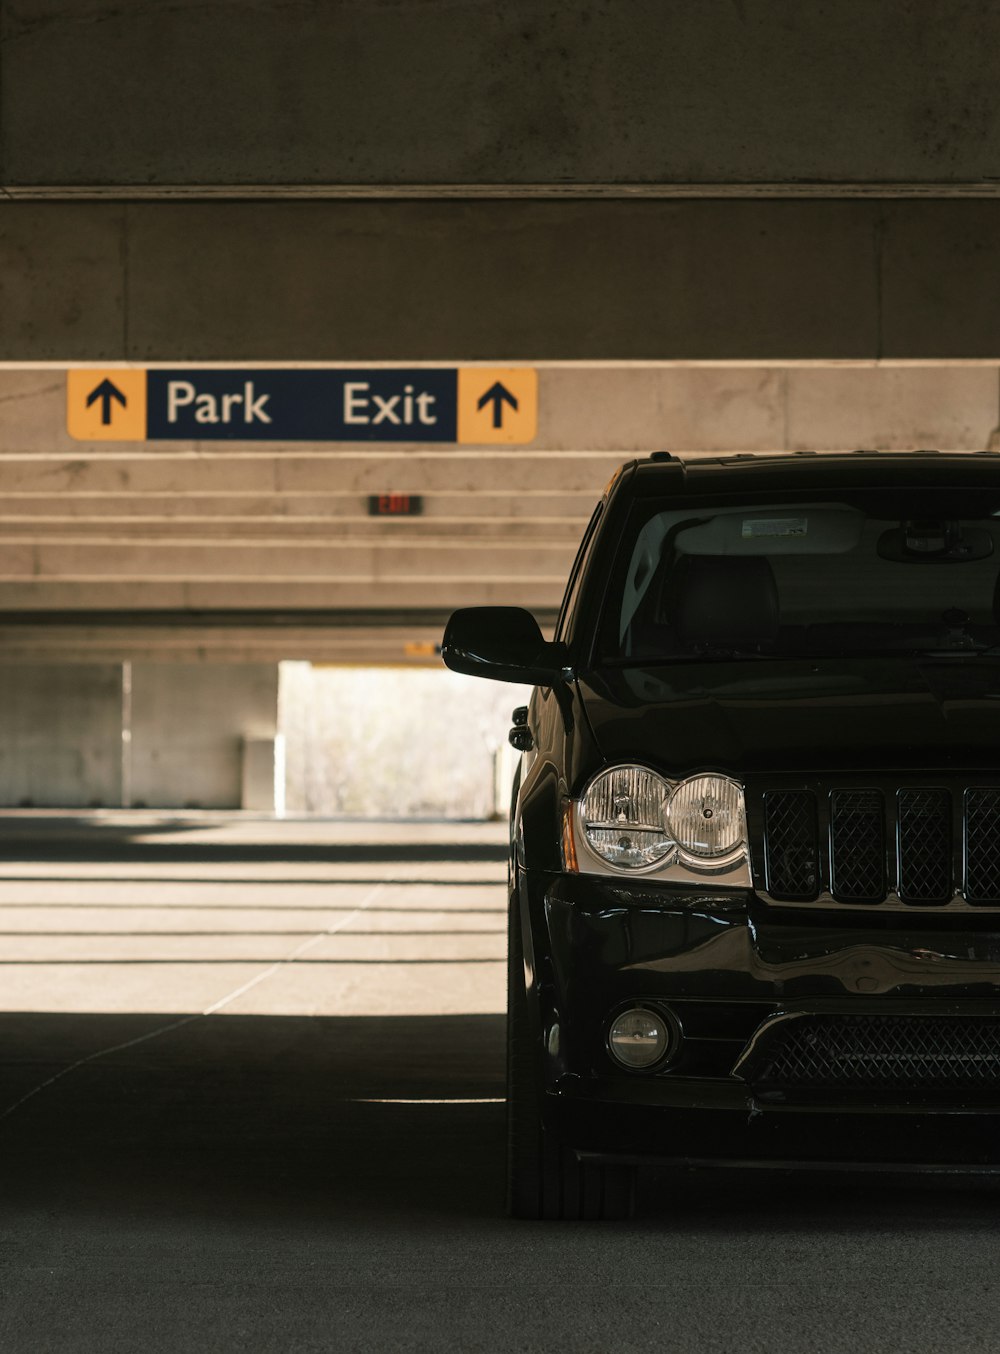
column 106, row 392
column 497, row 394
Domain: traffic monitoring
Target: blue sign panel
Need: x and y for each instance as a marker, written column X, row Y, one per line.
column 411, row 405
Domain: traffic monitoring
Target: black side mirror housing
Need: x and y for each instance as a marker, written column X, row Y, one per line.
column 505, row 643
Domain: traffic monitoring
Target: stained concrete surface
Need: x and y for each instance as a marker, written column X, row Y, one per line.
column 319, row 1166
column 462, row 91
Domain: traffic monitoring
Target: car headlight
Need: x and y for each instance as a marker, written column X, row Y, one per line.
column 624, row 817
column 634, row 819
column 705, row 817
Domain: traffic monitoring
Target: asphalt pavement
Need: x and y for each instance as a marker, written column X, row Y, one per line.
column 251, row 1098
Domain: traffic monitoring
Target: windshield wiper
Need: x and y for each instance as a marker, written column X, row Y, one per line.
column 966, row 651
column 669, row 660
column 948, row 655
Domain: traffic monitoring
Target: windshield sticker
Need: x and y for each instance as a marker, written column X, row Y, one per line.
column 774, row 526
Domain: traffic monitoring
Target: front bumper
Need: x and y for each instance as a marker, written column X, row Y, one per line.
column 725, row 969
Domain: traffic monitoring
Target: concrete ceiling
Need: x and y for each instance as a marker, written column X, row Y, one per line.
column 615, row 193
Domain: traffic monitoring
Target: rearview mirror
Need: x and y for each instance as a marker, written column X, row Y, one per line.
column 505, row 643
column 935, row 541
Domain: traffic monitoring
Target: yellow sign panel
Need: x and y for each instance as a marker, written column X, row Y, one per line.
column 106, row 406
column 497, row 404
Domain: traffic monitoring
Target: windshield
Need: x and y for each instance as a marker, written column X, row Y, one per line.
column 801, row 579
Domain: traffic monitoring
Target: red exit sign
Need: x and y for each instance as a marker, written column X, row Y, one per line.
column 395, row 505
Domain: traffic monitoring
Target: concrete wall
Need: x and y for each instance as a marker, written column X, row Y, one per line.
column 395, row 744
column 61, row 727
column 188, row 726
column 61, row 742
column 60, row 735
column 149, row 92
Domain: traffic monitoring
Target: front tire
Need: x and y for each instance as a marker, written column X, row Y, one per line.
column 544, row 1178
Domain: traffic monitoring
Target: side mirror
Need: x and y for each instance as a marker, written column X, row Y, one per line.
column 505, row 643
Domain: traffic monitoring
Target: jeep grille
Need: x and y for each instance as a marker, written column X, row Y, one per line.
column 871, row 845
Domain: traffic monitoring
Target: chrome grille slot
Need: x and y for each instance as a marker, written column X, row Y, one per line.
column 791, row 836
column 925, row 849
column 982, row 847
column 857, row 846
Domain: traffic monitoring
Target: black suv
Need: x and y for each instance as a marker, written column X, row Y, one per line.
column 755, row 847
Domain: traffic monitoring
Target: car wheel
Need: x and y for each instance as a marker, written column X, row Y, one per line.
column 544, row 1178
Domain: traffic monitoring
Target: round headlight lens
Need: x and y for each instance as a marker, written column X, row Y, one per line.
column 638, row 1038
column 623, row 817
column 706, row 817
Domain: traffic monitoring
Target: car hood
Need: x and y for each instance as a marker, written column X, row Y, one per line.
column 831, row 714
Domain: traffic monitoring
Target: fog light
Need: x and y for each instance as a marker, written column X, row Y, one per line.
column 638, row 1038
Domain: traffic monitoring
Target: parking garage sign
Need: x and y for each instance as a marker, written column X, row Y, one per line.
column 445, row 404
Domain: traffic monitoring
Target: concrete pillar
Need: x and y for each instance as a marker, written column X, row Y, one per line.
column 264, row 774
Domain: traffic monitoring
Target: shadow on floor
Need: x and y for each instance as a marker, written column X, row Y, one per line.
column 217, row 839
column 254, row 1117
column 352, row 1120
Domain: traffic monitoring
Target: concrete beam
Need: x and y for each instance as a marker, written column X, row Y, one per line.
column 354, row 533
column 234, row 593
column 400, row 645
column 619, row 408
column 364, row 561
column 154, row 470
column 332, row 511
column 624, row 280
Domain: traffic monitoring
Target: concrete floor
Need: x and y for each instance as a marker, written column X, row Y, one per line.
column 251, row 1082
